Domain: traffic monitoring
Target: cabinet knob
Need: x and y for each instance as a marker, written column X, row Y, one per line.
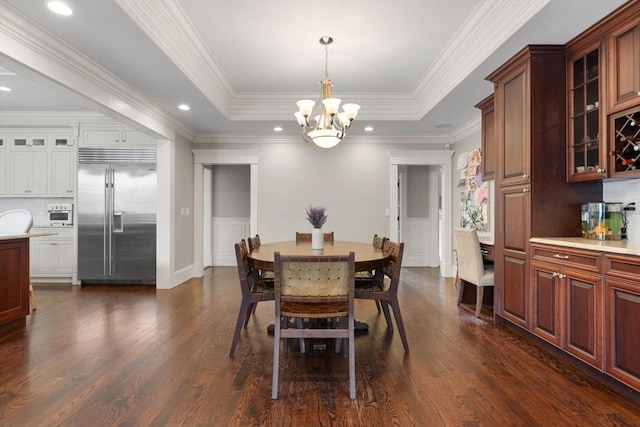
column 601, row 170
column 559, row 256
column 525, row 190
column 525, row 176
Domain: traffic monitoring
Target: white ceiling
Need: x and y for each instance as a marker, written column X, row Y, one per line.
column 416, row 67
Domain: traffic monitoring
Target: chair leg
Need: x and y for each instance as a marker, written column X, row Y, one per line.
column 250, row 309
column 352, row 358
column 387, row 316
column 460, row 286
column 378, row 306
column 300, row 325
column 242, row 318
column 400, row 324
column 32, row 297
column 479, row 297
column 276, row 360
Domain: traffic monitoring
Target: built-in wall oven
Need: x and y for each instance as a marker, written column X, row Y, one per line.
column 60, row 214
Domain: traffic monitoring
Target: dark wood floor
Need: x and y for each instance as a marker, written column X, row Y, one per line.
column 133, row 356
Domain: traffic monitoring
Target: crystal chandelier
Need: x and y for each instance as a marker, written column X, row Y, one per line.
column 327, row 128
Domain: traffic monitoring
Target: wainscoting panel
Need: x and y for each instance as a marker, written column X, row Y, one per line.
column 227, row 231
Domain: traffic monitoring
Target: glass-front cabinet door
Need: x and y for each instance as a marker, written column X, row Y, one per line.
column 587, row 147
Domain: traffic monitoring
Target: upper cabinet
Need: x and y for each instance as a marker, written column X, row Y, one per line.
column 603, row 96
column 115, row 137
column 623, row 44
column 587, row 145
column 489, row 145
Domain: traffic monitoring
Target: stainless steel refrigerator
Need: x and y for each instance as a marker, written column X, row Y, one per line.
column 116, row 215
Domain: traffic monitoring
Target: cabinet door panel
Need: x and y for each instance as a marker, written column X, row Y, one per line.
column 515, row 298
column 584, row 325
column 516, row 205
column 622, row 319
column 63, row 173
column 547, row 308
column 624, row 47
column 515, row 148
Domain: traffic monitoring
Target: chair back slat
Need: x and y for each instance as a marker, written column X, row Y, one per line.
column 306, row 237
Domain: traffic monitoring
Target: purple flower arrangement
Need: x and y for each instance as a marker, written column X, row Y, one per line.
column 316, row 215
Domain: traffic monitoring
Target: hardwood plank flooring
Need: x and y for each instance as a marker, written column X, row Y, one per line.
column 134, row 356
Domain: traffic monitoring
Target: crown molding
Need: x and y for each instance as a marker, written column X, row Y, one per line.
column 472, row 127
column 167, row 25
column 37, row 49
column 233, row 139
column 55, row 119
column 490, row 25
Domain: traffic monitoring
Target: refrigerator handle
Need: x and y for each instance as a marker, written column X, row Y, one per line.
column 118, row 222
column 105, row 249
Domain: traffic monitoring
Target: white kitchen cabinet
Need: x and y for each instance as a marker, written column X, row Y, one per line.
column 115, row 137
column 52, row 257
column 63, row 173
column 4, row 175
column 29, row 141
column 28, row 172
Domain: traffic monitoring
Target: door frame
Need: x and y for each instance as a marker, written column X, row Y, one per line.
column 202, row 158
column 440, row 158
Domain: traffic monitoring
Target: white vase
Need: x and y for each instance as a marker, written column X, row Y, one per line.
column 317, row 239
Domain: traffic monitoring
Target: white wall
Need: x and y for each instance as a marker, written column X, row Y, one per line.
column 183, row 204
column 626, row 192
column 350, row 180
column 467, row 144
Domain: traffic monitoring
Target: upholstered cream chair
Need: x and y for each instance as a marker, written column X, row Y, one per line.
column 18, row 221
column 471, row 266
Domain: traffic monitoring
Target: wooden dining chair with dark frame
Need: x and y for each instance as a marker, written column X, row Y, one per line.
column 386, row 291
column 254, row 290
column 314, row 287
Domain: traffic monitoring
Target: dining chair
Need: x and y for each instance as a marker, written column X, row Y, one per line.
column 18, row 221
column 254, row 243
column 306, row 237
column 377, row 243
column 385, row 291
column 471, row 266
column 254, row 290
column 314, row 287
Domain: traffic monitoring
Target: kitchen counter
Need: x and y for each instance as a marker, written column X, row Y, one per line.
column 26, row 235
column 623, row 247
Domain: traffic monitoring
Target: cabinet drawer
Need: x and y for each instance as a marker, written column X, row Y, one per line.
column 591, row 261
column 624, row 267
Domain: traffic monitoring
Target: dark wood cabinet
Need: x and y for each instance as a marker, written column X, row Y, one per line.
column 623, row 44
column 624, row 160
column 622, row 318
column 533, row 198
column 603, row 86
column 583, row 328
column 586, row 138
column 567, row 300
column 14, row 279
column 547, row 310
column 489, row 146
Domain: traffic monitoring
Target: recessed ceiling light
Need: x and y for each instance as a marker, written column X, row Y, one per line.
column 59, row 7
column 184, row 107
column 5, row 89
column 277, row 129
column 368, row 129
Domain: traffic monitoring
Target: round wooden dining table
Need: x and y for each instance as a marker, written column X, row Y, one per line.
column 368, row 258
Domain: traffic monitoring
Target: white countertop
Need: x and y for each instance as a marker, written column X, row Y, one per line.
column 26, row 235
column 623, row 247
